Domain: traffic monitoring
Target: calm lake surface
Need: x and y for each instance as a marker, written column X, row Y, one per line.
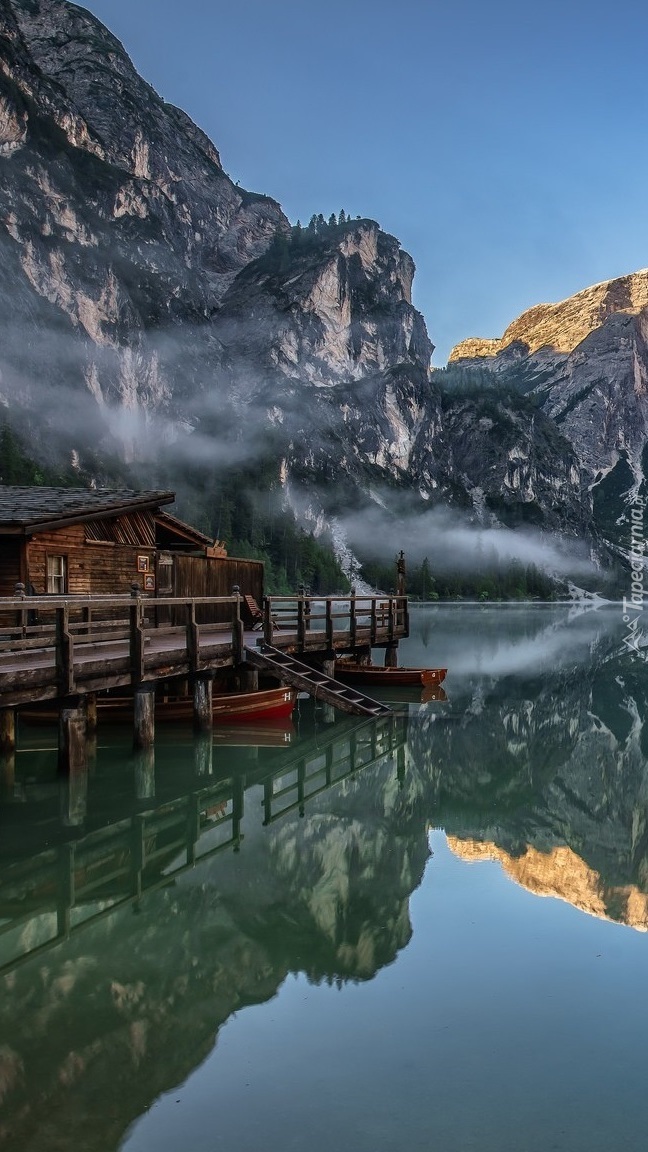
column 420, row 933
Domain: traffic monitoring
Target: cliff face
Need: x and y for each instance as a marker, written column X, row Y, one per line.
column 121, row 232
column 153, row 313
column 586, row 361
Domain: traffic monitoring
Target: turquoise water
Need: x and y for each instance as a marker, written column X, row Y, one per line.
column 426, row 933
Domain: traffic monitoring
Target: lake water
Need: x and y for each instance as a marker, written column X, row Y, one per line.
column 425, row 933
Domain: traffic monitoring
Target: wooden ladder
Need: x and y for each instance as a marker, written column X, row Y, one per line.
column 309, row 680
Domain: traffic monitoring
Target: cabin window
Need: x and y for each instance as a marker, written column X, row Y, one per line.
column 56, row 575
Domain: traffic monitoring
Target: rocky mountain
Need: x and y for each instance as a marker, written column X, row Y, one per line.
column 585, row 360
column 158, row 320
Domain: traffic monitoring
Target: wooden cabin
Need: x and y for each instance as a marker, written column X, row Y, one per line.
column 99, row 541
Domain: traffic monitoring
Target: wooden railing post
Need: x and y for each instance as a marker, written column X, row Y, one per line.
column 353, row 622
column 21, row 620
column 329, row 624
column 64, row 651
column 268, row 623
column 136, row 637
column 374, row 622
column 193, row 637
column 301, row 618
column 86, row 618
column 238, row 639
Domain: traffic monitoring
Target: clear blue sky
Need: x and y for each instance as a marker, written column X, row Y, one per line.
column 503, row 143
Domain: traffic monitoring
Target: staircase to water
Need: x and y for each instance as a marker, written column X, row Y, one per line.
column 316, row 683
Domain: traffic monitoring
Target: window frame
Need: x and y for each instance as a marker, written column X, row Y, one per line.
column 62, row 575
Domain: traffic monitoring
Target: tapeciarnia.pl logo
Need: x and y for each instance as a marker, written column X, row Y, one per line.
column 633, row 605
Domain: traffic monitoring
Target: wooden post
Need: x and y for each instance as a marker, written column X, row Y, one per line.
column 138, row 853
column 329, row 623
column 202, row 704
column 193, row 637
column 145, row 774
column 64, row 651
column 400, row 767
column 353, row 622
column 327, row 711
column 238, row 637
column 301, row 618
column 374, row 621
column 267, row 802
column 65, row 895
column 301, row 787
column 238, row 800
column 7, row 774
column 391, row 655
column 73, row 765
column 403, row 616
column 203, row 750
column 136, row 637
column 7, row 729
column 22, row 613
column 91, row 712
column 193, row 826
column 144, row 716
column 268, row 623
column 248, row 678
column 86, row 619
column 392, row 618
column 400, row 574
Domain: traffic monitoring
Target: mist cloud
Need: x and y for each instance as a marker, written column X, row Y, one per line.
column 452, row 543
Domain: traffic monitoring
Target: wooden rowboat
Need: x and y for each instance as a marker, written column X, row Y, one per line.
column 266, row 706
column 375, row 674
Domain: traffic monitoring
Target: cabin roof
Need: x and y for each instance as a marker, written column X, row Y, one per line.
column 26, row 510
column 178, row 528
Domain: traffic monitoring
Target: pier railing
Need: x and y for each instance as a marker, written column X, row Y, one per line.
column 59, row 646
column 366, row 620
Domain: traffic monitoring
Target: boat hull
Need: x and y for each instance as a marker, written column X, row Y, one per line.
column 263, row 707
column 370, row 674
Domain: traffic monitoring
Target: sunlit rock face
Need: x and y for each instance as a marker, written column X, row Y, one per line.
column 562, row 874
column 562, row 327
column 586, row 361
column 552, row 782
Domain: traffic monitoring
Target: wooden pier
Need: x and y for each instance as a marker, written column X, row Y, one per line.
column 68, row 649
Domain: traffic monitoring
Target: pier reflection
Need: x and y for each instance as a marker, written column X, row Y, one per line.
column 192, row 886
column 62, row 889
column 102, row 1005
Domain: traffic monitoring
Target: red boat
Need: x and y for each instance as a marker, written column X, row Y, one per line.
column 229, row 708
column 351, row 673
column 269, row 704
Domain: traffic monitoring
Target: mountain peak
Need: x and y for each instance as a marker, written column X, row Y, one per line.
column 561, row 327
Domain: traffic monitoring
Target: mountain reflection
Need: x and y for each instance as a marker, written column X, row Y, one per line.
column 133, row 930
column 548, row 773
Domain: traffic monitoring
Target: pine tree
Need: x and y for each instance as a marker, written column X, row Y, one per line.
column 342, row 217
